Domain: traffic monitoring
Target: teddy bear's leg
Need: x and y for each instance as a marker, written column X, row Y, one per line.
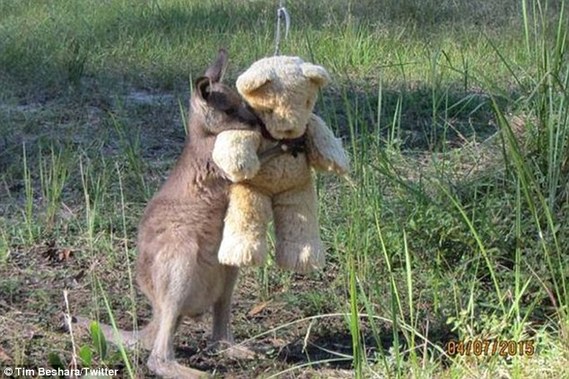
column 244, row 241
column 298, row 243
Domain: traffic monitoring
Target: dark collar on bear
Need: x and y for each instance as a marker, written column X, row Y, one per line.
column 293, row 146
column 265, row 133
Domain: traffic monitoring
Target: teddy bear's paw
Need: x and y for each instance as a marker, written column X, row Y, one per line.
column 301, row 257
column 325, row 151
column 248, row 171
column 237, row 250
column 235, row 154
column 239, row 171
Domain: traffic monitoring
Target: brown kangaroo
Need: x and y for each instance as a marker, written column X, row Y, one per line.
column 181, row 230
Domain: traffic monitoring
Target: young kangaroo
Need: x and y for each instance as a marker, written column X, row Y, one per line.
column 181, row 230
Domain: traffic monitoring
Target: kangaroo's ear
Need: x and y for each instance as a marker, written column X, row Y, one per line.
column 202, row 87
column 217, row 69
column 211, row 94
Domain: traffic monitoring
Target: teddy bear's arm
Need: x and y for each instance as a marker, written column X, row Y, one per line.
column 325, row 151
column 235, row 153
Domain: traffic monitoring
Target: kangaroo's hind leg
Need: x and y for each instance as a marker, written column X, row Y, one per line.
column 173, row 290
column 222, row 336
column 222, row 307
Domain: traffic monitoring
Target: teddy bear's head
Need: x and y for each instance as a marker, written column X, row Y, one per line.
column 282, row 90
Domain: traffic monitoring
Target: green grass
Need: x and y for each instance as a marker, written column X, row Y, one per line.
column 455, row 115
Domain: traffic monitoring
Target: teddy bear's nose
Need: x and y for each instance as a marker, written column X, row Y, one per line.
column 290, row 133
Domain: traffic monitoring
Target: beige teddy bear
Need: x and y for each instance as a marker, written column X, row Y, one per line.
column 282, row 90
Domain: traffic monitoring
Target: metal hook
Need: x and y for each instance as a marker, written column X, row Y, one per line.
column 282, row 13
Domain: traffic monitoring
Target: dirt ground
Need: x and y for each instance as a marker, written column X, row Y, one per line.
column 33, row 322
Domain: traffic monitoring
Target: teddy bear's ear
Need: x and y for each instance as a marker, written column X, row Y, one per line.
column 316, row 74
column 247, row 84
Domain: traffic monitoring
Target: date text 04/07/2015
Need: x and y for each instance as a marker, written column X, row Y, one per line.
column 482, row 347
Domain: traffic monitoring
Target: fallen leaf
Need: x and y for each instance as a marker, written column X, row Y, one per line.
column 65, row 254
column 258, row 308
column 4, row 358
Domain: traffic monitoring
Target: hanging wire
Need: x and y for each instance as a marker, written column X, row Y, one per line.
column 282, row 15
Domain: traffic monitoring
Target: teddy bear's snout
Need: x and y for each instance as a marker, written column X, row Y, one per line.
column 287, row 129
column 289, row 133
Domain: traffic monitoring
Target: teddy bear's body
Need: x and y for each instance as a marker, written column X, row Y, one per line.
column 282, row 190
column 282, row 90
column 290, row 201
column 282, row 173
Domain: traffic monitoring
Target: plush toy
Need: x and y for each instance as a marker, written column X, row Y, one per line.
column 282, row 90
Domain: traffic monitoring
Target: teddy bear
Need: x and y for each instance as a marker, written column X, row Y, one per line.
column 282, row 90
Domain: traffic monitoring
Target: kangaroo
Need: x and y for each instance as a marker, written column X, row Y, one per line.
column 181, row 230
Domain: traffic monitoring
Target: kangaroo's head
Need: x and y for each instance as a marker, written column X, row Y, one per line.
column 217, row 106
